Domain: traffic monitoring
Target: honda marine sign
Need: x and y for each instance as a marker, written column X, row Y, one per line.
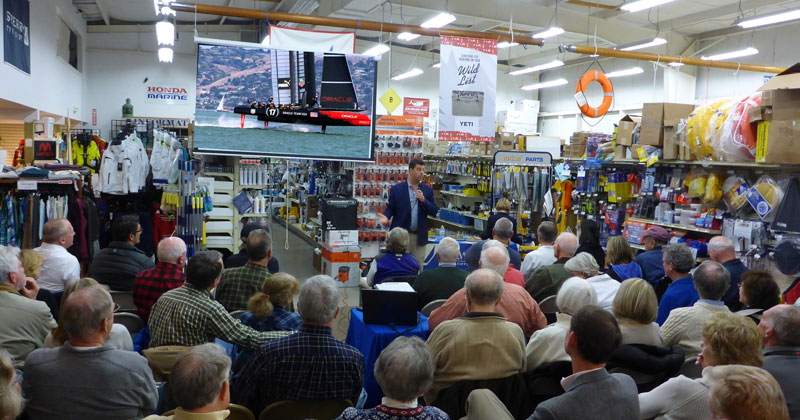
column 166, row 93
column 416, row 106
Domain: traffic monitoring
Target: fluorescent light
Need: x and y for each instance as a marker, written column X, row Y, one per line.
column 506, row 44
column 640, row 5
column 377, row 50
column 439, row 20
column 165, row 33
column 165, row 55
column 166, row 11
column 644, row 44
column 409, row 74
column 551, row 65
column 771, row 19
column 552, row 83
column 436, row 65
column 265, row 41
column 407, row 36
column 676, row 64
column 156, row 5
column 628, row 72
column 549, row 33
column 733, row 54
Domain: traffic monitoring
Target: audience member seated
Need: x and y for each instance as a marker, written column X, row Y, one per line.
column 758, row 292
column 311, row 365
column 480, row 345
column 395, row 262
column 444, row 280
column 678, row 263
column 199, row 384
column 404, row 371
column 721, row 250
column 85, row 375
column 780, row 331
column 651, row 260
column 621, row 265
column 728, row 339
column 684, row 326
column 11, row 401
column 503, row 206
column 583, row 265
column 188, row 316
column 635, row 307
column 544, row 255
column 787, row 259
column 547, row 279
column 590, row 392
column 547, row 345
column 746, row 393
column 118, row 265
column 515, row 303
column 494, row 256
column 32, row 264
column 25, row 321
column 150, row 284
column 589, row 241
column 267, row 309
column 118, row 338
column 240, row 259
column 503, row 231
column 59, row 267
column 239, row 283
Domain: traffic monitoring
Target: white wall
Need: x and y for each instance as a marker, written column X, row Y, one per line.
column 53, row 85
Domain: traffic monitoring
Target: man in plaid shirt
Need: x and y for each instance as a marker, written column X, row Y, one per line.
column 188, row 316
column 150, row 284
column 238, row 284
column 308, row 366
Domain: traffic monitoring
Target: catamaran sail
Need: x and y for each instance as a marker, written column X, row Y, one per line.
column 337, row 90
column 221, row 103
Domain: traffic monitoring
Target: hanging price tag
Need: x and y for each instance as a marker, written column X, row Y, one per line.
column 565, row 171
column 581, row 171
column 26, row 185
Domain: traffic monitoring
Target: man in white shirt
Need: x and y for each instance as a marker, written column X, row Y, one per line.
column 585, row 266
column 59, row 268
column 544, row 255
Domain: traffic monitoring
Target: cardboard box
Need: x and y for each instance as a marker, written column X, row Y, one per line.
column 776, row 142
column 625, row 129
column 755, row 114
column 504, row 140
column 671, row 144
column 621, row 152
column 656, row 116
column 766, row 98
column 782, row 93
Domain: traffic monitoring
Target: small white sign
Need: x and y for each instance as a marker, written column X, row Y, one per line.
column 26, row 185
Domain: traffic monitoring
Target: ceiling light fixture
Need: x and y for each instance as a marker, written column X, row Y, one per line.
column 165, row 33
column 439, row 20
column 165, row 55
column 551, row 65
column 377, row 50
column 628, row 72
column 504, row 44
column 552, row 83
column 642, row 44
column 409, row 74
column 676, row 64
column 637, row 6
column 407, row 36
column 769, row 19
column 733, row 54
column 555, row 30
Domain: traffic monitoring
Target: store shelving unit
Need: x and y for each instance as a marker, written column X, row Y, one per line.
column 676, row 226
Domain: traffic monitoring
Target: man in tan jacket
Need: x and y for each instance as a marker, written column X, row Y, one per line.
column 481, row 344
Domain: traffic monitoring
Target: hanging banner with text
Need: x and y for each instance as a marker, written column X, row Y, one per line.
column 398, row 125
column 17, row 34
column 416, row 106
column 317, row 41
column 467, row 87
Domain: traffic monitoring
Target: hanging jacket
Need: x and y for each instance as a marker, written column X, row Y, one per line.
column 88, row 156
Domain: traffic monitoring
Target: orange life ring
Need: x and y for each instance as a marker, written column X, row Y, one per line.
column 608, row 94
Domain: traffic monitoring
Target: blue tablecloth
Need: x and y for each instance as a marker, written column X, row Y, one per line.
column 371, row 339
column 431, row 261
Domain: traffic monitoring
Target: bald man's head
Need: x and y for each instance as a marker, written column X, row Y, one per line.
column 495, row 258
column 565, row 246
column 721, row 250
column 171, row 249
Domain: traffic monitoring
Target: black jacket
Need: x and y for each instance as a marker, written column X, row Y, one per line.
column 488, row 230
column 118, row 265
column 596, row 250
column 648, row 365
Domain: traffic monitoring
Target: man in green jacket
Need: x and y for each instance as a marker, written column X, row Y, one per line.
column 444, row 280
column 546, row 281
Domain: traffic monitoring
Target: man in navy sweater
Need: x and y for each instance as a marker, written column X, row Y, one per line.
column 678, row 263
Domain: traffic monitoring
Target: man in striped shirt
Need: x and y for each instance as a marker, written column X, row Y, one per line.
column 188, row 315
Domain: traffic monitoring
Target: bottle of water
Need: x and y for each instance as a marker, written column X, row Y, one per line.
column 442, row 232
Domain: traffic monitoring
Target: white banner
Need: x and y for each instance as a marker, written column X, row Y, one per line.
column 467, row 88
column 314, row 41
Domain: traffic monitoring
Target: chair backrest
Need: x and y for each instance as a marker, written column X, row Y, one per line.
column 301, row 410
column 690, row 369
column 238, row 412
column 432, row 306
column 124, row 300
column 131, row 321
column 237, row 313
column 400, row 279
column 548, row 305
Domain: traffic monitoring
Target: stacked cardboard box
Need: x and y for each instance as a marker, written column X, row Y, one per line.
column 779, row 126
column 659, row 126
column 577, row 146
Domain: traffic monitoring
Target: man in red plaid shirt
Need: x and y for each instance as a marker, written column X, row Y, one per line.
column 168, row 274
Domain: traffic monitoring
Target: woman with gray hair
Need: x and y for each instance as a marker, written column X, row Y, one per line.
column 404, row 370
column 395, row 261
column 585, row 266
column 547, row 345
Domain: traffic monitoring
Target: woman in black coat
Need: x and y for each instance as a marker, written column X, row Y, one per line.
column 589, row 241
column 503, row 206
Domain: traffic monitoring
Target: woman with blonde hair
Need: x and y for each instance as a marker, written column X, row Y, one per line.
column 503, row 207
column 621, row 265
column 728, row 339
column 119, row 338
column 11, row 401
column 635, row 306
column 32, row 264
column 267, row 308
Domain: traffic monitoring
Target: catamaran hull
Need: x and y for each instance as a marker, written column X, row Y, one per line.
column 313, row 117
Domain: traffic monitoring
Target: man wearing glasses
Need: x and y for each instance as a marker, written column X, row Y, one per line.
column 118, row 265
